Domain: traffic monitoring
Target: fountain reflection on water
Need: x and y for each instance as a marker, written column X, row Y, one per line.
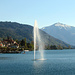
column 38, row 42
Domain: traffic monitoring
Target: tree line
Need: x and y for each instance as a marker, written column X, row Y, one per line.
column 54, row 47
column 24, row 45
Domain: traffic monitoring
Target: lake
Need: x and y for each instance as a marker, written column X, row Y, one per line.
column 58, row 62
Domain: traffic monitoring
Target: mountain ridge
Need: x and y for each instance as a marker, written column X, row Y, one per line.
column 62, row 32
column 21, row 31
column 58, row 24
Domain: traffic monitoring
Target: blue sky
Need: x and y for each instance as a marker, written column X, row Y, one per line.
column 46, row 12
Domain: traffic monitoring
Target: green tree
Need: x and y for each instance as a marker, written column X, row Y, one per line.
column 48, row 47
column 17, row 41
column 25, row 44
column 22, row 43
column 59, row 47
column 53, row 47
column 69, row 47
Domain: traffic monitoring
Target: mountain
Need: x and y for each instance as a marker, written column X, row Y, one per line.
column 16, row 30
column 21, row 31
column 62, row 32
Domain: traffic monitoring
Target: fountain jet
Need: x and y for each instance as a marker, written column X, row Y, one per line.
column 38, row 43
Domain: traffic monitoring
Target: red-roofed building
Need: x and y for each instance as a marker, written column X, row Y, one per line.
column 1, row 45
column 9, row 43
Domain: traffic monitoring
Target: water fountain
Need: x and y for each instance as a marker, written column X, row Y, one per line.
column 38, row 42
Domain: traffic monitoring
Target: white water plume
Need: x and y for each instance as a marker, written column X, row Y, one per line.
column 38, row 43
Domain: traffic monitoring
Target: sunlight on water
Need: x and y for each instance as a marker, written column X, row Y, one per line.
column 39, row 59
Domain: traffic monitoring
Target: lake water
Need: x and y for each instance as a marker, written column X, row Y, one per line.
column 59, row 62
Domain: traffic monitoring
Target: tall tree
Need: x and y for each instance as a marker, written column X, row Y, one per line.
column 25, row 44
column 22, row 43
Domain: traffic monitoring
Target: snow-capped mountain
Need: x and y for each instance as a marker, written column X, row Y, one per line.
column 61, row 31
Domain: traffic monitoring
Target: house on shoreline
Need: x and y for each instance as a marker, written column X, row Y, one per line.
column 1, row 44
column 9, row 43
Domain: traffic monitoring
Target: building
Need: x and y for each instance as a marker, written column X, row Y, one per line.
column 9, row 43
column 1, row 44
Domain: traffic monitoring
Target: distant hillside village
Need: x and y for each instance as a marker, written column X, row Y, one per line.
column 9, row 43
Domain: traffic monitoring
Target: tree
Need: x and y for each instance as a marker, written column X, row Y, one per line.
column 59, row 47
column 17, row 40
column 53, row 47
column 25, row 44
column 69, row 47
column 48, row 47
column 22, row 43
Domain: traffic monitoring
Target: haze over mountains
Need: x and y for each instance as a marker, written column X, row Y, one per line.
column 62, row 32
column 21, row 31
